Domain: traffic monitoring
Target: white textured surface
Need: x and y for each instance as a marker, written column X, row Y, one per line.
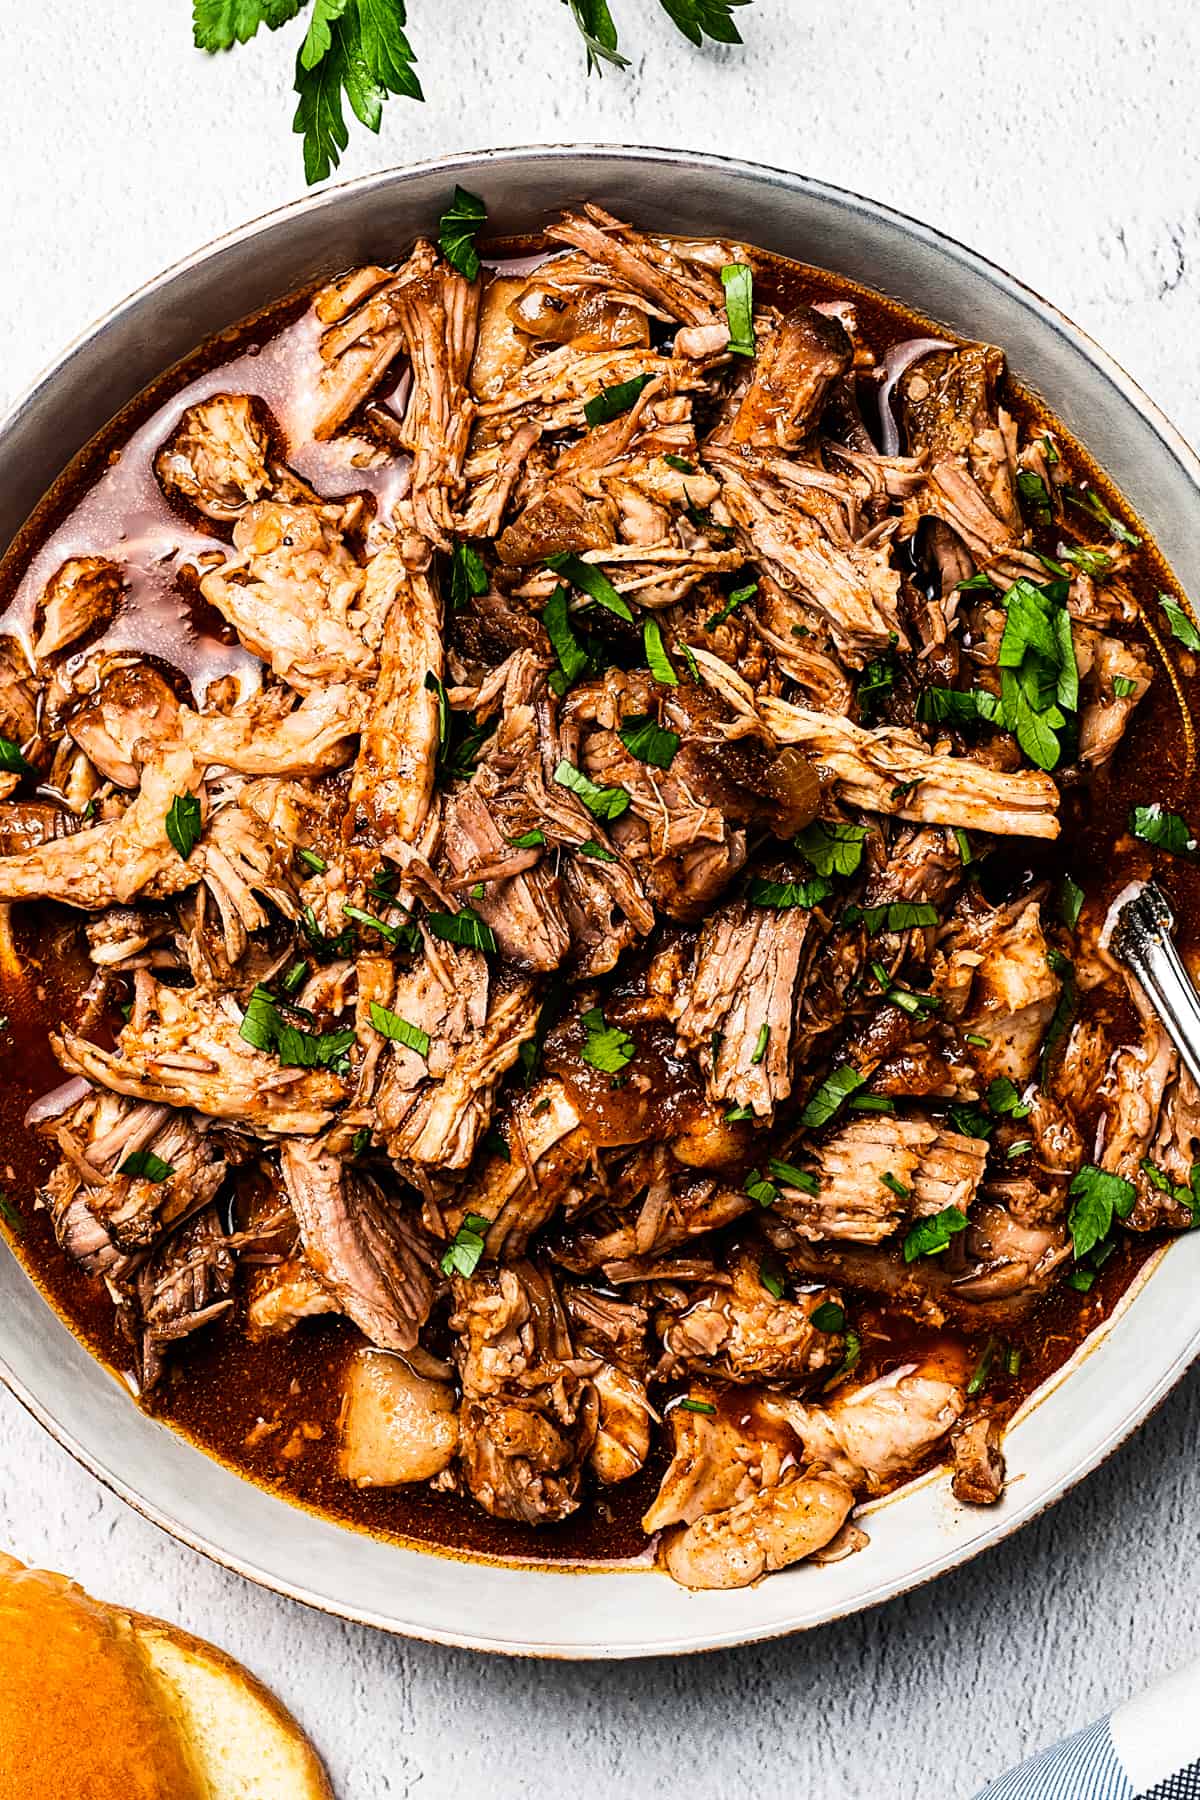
column 1057, row 140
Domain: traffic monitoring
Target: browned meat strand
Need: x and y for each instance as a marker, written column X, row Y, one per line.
column 600, row 932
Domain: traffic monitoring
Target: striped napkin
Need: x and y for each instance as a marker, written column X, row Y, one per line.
column 1148, row 1749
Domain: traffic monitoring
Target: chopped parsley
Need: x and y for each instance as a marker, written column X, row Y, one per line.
column 1035, row 494
column 878, row 680
column 1039, row 678
column 466, row 1247
column 360, row 1143
column 657, row 660
column 1004, row 1100
column 738, row 281
column 9, row 1213
column 183, row 824
column 611, row 402
column 897, row 915
column 13, row 763
column 760, row 1190
column 771, row 1277
column 591, row 847
column 1093, row 563
column 529, row 840
column 601, row 802
column 895, row 1185
column 831, row 847
column 738, row 598
column 648, row 741
column 956, row 706
column 971, row 1121
column 982, row 1369
column 1165, row 830
column 464, row 927
column 1082, row 1280
column 781, row 896
column 836, row 1088
column 876, row 1103
column 468, row 576
column 1124, row 687
column 680, row 464
column 1097, row 1197
column 400, row 1031
column 591, row 581
column 265, row 1027
column 829, row 1316
column 788, row 1175
column 965, row 854
column 573, row 659
column 849, row 1360
column 1089, row 501
column 145, row 1164
column 391, row 934
column 1070, row 902
column 929, row 1237
column 760, row 1048
column 316, row 863
column 1064, row 968
column 738, row 1115
column 697, row 1406
column 1182, row 627
column 606, row 1048
column 295, row 978
column 457, row 230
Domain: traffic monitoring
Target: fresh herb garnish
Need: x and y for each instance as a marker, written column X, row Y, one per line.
column 355, row 47
column 697, row 1406
column 895, row 1185
column 1181, row 625
column 836, row 1088
column 829, row 1316
column 265, row 1027
column 1165, row 830
column 738, row 281
column 982, row 1369
column 316, row 863
column 360, row 1143
column 771, row 1277
column 738, row 1115
column 459, row 227
column 613, row 401
column 878, row 680
column 680, row 464
column 591, row 581
column 763, row 1192
column 897, row 915
column 1039, row 678
column 391, row 934
column 9, row 1214
column 957, row 706
column 1123, row 687
column 1004, row 1100
column 529, row 840
column 876, row 1103
column 970, row 1120
column 929, row 1237
column 147, row 1165
column 463, row 927
column 573, row 659
column 390, row 1025
column 1035, row 494
column 468, row 576
column 783, row 895
column 760, row 1047
column 601, row 802
column 831, row 847
column 1089, row 501
column 607, row 1048
column 738, row 598
column 1020, row 1148
column 466, row 1247
column 657, row 660
column 788, row 1175
column 965, row 855
column 650, row 742
column 1097, row 1197
column 1070, row 902
column 13, row 763
column 977, row 1038
column 591, row 847
column 1064, row 968
column 1082, row 1280
column 1090, row 562
column 183, row 824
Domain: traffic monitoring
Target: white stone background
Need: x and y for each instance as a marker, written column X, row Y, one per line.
column 1058, row 139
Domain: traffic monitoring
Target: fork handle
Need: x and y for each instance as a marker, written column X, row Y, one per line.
column 1142, row 939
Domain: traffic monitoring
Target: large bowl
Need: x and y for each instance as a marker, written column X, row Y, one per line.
column 1119, row 1376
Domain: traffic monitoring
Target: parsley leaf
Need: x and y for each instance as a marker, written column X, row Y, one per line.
column 648, row 741
column 607, row 1047
column 11, row 759
column 878, row 680
column 1089, row 501
column 831, row 847
column 596, row 27
column 897, row 915
column 730, row 606
column 788, row 1175
column 458, row 228
column 462, row 927
column 657, row 660
column 829, row 1316
column 529, row 840
column 573, row 659
column 771, row 1276
column 357, row 48
column 466, row 1247
column 1003, row 1099
column 601, row 802
column 219, row 24
column 591, row 581
column 1165, row 830
column 1064, row 968
column 764, row 1193
column 929, row 1237
column 738, row 281
column 1181, row 626
column 264, row 1026
column 10, row 1215
column 612, row 402
column 783, row 895
column 1070, row 902
column 958, row 706
column 836, row 1087
column 698, row 19
column 468, row 576
column 391, row 1025
column 183, row 824
column 144, row 1163
column 1097, row 1196
column 1123, row 687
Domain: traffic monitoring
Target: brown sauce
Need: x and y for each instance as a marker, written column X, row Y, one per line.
column 270, row 1409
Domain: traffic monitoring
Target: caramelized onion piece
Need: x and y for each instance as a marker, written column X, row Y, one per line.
column 794, row 791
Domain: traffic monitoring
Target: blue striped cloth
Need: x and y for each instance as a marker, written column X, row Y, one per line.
column 1148, row 1749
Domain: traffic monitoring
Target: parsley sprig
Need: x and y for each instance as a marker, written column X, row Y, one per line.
column 358, row 51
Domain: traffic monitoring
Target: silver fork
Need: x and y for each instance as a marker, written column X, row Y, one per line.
column 1142, row 940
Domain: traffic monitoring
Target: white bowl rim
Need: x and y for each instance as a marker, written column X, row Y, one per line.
column 674, row 1622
